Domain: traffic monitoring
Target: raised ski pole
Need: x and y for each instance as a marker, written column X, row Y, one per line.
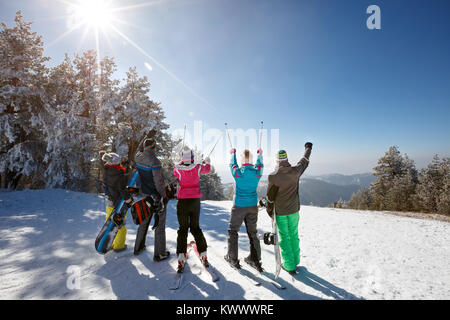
column 214, row 146
column 260, row 133
column 184, row 136
column 229, row 139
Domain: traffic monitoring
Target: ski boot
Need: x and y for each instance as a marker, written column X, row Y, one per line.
column 181, row 262
column 161, row 257
column 254, row 264
column 234, row 263
column 204, row 259
column 291, row 272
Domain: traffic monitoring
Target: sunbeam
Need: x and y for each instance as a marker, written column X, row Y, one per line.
column 65, row 34
column 162, row 67
column 98, row 15
column 139, row 5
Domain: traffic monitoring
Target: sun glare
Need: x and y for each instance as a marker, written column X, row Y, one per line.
column 93, row 13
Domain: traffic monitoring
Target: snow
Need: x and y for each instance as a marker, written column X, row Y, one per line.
column 47, row 235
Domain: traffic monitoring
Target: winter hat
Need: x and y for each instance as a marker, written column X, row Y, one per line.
column 246, row 155
column 282, row 155
column 111, row 158
column 187, row 156
column 151, row 143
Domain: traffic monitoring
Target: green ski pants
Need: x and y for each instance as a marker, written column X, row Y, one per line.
column 288, row 240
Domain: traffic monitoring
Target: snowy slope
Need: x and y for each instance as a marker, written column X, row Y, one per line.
column 345, row 254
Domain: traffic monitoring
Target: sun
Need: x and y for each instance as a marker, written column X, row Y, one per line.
column 93, row 13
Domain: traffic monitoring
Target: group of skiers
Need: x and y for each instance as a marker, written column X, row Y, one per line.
column 283, row 204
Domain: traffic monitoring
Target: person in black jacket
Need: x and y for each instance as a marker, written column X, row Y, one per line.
column 116, row 189
column 152, row 186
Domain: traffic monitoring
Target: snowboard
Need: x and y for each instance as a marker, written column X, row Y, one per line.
column 108, row 232
column 276, row 246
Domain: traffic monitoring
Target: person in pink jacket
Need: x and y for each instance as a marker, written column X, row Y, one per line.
column 188, row 207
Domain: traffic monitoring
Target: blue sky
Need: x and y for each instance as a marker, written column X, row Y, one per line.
column 309, row 68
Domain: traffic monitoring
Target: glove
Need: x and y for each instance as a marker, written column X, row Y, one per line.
column 308, row 145
column 259, row 151
column 232, row 150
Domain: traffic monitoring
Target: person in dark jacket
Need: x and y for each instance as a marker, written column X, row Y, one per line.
column 152, row 185
column 287, row 205
column 115, row 190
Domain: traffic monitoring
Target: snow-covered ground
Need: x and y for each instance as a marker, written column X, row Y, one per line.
column 345, row 254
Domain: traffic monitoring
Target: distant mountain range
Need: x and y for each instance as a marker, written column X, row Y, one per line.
column 323, row 190
column 363, row 179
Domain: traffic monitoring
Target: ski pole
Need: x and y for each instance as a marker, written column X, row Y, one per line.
column 260, row 134
column 214, row 146
column 229, row 139
column 184, row 136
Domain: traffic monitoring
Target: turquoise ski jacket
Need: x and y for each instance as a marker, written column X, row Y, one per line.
column 246, row 181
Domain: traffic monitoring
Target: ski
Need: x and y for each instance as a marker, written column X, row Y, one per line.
column 275, row 282
column 210, row 269
column 249, row 277
column 177, row 281
column 267, row 277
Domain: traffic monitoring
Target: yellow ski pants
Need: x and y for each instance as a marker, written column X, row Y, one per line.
column 119, row 242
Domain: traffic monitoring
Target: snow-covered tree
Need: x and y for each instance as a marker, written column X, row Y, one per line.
column 361, row 200
column 23, row 75
column 432, row 191
column 390, row 172
column 137, row 115
column 444, row 198
column 72, row 132
column 211, row 186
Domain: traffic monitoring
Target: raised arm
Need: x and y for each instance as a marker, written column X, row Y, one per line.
column 259, row 165
column 206, row 166
column 304, row 162
column 233, row 163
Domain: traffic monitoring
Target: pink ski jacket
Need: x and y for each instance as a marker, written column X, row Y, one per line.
column 189, row 178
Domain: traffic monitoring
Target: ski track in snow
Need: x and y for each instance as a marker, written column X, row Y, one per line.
column 345, row 254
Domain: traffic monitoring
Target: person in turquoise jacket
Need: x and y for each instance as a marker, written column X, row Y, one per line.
column 245, row 208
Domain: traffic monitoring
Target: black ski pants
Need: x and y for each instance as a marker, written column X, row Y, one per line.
column 188, row 213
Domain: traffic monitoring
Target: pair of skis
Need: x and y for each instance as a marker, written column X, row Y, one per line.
column 209, row 270
column 254, row 277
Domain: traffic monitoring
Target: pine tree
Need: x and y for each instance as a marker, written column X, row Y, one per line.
column 444, row 198
column 136, row 116
column 395, row 174
column 361, row 200
column 433, row 181
column 23, row 75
